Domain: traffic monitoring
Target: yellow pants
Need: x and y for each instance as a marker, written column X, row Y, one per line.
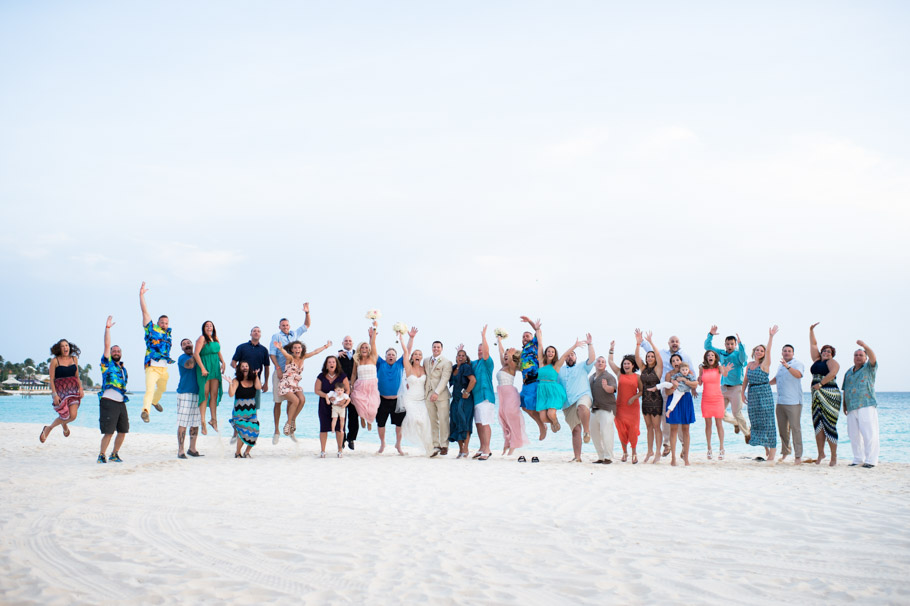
column 155, row 386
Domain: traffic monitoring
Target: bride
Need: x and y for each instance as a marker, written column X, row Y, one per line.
column 416, row 425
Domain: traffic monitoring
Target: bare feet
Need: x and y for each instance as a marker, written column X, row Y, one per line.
column 203, row 430
column 543, row 431
column 656, row 459
column 798, row 461
column 833, row 461
column 363, row 423
column 369, row 427
column 381, row 448
column 400, row 451
column 648, row 456
column 673, row 462
column 819, row 460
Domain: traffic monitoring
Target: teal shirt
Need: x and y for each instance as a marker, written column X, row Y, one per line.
column 483, row 390
column 859, row 387
column 738, row 359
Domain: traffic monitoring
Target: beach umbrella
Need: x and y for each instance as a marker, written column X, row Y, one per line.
column 12, row 381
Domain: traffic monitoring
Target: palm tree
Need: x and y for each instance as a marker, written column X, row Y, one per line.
column 84, row 375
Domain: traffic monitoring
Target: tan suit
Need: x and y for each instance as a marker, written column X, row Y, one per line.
column 438, row 374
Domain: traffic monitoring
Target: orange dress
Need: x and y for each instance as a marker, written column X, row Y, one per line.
column 628, row 418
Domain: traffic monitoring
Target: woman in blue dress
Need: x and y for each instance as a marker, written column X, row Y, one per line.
column 461, row 411
column 551, row 395
column 760, row 400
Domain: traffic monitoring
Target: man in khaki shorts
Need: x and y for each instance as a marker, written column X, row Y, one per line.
column 574, row 377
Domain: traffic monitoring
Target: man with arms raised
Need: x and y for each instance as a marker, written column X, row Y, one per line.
column 529, row 365
column 389, row 372
column 861, row 408
column 112, row 405
column 574, row 377
column 157, row 357
column 731, row 385
column 283, row 336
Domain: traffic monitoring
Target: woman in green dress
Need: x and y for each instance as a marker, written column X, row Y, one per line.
column 209, row 368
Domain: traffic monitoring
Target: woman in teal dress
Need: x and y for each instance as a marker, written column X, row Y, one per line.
column 551, row 395
column 461, row 411
column 209, row 368
column 757, row 395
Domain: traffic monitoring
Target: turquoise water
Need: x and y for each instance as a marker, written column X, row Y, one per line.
column 893, row 408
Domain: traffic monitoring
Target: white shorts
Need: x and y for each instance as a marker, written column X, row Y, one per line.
column 188, row 410
column 484, row 412
column 275, row 395
column 571, row 412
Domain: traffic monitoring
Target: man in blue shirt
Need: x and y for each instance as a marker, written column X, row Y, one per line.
column 788, row 380
column 187, row 401
column 388, row 373
column 861, row 407
column 574, row 377
column 731, row 385
column 283, row 336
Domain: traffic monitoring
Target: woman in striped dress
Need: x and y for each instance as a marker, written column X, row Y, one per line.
column 244, row 419
column 826, row 397
column 760, row 400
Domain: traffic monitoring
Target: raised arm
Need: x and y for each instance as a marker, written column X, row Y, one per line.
column 107, row 337
column 813, row 344
column 411, row 334
column 616, row 369
column 406, row 357
column 590, row 342
column 565, row 354
column 709, row 341
column 541, row 350
column 502, row 350
column 306, row 314
column 766, row 361
column 146, row 317
column 374, row 355
column 638, row 340
column 649, row 338
column 318, row 351
column 484, row 346
column 869, row 353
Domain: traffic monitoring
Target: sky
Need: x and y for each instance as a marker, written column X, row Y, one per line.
column 600, row 165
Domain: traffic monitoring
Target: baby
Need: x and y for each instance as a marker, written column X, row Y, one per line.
column 681, row 387
column 338, row 400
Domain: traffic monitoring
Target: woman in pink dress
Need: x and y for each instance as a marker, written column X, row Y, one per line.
column 510, row 416
column 365, row 393
column 289, row 386
column 712, row 400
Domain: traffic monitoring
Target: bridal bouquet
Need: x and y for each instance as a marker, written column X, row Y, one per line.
column 501, row 333
column 400, row 328
column 373, row 314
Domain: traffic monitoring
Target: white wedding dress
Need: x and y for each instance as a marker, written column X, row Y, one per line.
column 415, row 429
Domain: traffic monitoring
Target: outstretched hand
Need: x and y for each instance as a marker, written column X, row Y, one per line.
column 484, row 331
column 306, row 307
column 328, row 344
column 638, row 337
column 413, row 332
column 143, row 289
column 588, row 339
column 110, row 320
column 814, row 325
column 612, row 346
column 773, row 330
column 713, row 330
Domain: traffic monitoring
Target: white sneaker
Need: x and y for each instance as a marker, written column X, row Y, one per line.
column 275, row 439
column 293, row 437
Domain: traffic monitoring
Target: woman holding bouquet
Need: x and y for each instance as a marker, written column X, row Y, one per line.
column 365, row 393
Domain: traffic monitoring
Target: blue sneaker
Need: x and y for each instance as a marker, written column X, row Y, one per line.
column 101, row 459
column 115, row 458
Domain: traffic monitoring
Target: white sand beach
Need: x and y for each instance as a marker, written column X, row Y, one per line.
column 386, row 529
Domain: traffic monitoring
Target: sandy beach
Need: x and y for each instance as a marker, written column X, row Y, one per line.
column 388, row 529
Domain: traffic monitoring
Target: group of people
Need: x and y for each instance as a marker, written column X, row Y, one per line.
column 434, row 403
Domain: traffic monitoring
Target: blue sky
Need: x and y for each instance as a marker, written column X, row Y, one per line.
column 601, row 165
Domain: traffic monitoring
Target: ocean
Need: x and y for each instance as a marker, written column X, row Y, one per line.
column 893, row 408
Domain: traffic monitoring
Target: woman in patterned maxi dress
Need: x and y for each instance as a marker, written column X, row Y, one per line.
column 760, row 400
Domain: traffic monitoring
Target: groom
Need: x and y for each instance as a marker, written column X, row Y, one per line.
column 438, row 370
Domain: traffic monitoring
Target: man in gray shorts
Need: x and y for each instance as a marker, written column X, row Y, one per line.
column 112, row 408
column 574, row 377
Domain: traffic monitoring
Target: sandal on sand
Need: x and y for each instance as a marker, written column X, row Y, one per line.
column 477, row 455
column 247, row 456
column 194, row 453
column 522, row 459
column 720, row 457
column 339, row 455
column 535, row 460
column 634, row 459
column 321, row 455
column 483, row 457
column 66, row 431
column 43, row 435
column 710, row 454
column 625, row 457
column 237, row 455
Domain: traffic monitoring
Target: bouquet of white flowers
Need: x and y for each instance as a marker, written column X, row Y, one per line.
column 373, row 314
column 400, row 328
column 501, row 333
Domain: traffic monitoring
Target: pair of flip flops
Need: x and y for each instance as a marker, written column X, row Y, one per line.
column 522, row 459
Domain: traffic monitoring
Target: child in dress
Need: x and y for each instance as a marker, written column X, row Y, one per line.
column 338, row 400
